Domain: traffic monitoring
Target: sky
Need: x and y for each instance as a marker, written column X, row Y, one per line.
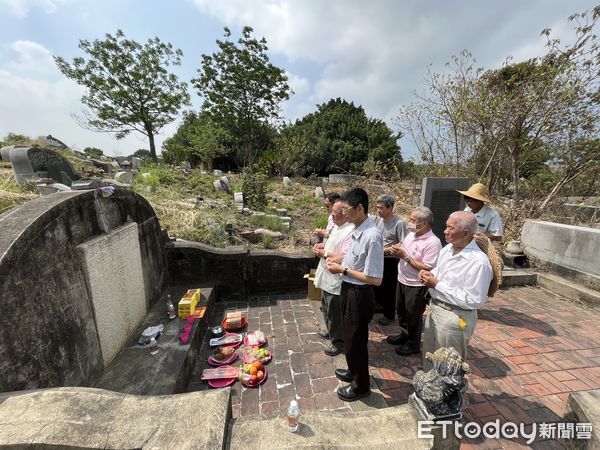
column 374, row 53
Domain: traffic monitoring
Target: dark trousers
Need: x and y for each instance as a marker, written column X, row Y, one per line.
column 385, row 294
column 358, row 307
column 332, row 313
column 410, row 305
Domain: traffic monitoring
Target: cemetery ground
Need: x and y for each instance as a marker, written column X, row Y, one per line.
column 530, row 349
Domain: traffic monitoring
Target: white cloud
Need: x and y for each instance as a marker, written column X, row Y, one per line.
column 20, row 8
column 31, row 57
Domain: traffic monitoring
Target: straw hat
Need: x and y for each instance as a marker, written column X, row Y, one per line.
column 478, row 191
column 488, row 248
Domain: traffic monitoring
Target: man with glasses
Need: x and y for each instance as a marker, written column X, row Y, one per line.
column 328, row 202
column 419, row 251
column 362, row 268
column 334, row 249
column 489, row 223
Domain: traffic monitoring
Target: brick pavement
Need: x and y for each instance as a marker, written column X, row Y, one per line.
column 530, row 349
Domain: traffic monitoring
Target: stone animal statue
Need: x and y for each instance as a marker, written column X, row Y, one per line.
column 442, row 389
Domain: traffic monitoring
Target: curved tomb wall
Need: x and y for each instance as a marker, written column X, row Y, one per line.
column 66, row 259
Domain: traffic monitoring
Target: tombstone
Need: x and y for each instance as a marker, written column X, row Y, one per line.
column 5, row 152
column 51, row 188
column 33, row 163
column 217, row 173
column 238, row 200
column 281, row 211
column 51, row 141
column 342, row 178
column 218, row 186
column 441, row 196
column 115, row 166
column 186, row 165
column 106, row 166
column 124, row 177
column 319, row 192
column 82, row 185
column 226, row 184
column 136, row 163
column 287, row 182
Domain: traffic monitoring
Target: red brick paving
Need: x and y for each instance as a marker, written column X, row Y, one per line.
column 529, row 350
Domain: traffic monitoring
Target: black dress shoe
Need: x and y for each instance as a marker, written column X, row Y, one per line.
column 399, row 339
column 333, row 350
column 323, row 334
column 347, row 394
column 407, row 350
column 344, row 375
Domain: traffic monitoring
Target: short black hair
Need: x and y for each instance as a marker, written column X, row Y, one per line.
column 333, row 197
column 356, row 196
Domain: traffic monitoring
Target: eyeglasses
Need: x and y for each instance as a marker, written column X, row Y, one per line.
column 348, row 208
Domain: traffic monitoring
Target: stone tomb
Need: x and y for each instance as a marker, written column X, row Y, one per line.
column 33, row 163
column 439, row 195
column 112, row 266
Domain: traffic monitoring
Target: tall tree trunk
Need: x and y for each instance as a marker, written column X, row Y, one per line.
column 152, row 146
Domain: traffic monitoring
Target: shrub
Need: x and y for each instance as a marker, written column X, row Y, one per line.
column 272, row 223
column 254, row 188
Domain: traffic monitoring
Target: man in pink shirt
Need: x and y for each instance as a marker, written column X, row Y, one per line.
column 418, row 251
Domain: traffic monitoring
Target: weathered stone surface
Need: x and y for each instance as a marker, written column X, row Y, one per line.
column 287, row 182
column 226, row 184
column 394, row 427
column 124, row 177
column 43, row 284
column 218, row 186
column 33, row 163
column 238, row 197
column 51, row 188
column 319, row 193
column 584, row 407
column 136, row 163
column 440, row 195
column 443, row 387
column 342, row 178
column 217, row 173
column 95, row 418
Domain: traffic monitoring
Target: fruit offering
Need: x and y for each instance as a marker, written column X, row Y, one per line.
column 252, row 373
column 257, row 353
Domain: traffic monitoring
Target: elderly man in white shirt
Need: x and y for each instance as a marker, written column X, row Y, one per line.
column 338, row 243
column 458, row 287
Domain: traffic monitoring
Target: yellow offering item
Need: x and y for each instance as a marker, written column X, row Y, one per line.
column 462, row 324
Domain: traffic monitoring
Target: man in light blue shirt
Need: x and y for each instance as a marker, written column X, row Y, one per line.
column 362, row 268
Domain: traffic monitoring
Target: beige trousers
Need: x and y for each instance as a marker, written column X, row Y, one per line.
column 443, row 329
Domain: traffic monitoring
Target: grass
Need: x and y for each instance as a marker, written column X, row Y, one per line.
column 272, row 223
column 13, row 194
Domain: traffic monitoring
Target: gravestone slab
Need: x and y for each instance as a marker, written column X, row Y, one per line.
column 342, row 178
column 287, row 182
column 136, row 163
column 217, row 173
column 218, row 186
column 112, row 265
column 319, row 193
column 439, row 195
column 226, row 184
column 82, row 185
column 124, row 177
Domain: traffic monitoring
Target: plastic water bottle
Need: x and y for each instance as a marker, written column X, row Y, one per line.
column 171, row 308
column 293, row 414
column 153, row 346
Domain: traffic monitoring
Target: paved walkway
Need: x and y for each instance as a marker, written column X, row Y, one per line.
column 530, row 349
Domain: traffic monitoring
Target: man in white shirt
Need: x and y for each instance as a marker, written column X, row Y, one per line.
column 458, row 286
column 489, row 223
column 338, row 243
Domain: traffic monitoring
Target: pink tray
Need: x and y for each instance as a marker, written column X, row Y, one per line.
column 214, row 362
column 221, row 383
column 233, row 344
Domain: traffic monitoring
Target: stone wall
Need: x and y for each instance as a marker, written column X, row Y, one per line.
column 48, row 333
column 237, row 272
column 568, row 250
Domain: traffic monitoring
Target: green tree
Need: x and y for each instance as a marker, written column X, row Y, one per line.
column 93, row 152
column 142, row 153
column 242, row 92
column 128, row 85
column 198, row 139
column 340, row 137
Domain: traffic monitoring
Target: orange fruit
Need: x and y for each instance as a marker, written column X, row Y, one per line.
column 260, row 375
column 257, row 364
column 253, row 370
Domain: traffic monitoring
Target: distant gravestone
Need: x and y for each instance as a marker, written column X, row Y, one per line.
column 186, row 165
column 136, row 163
column 319, row 193
column 115, row 166
column 217, row 173
column 238, row 200
column 124, row 177
column 5, row 152
column 33, row 163
column 226, row 184
column 287, row 182
column 439, row 195
column 218, row 186
column 342, row 178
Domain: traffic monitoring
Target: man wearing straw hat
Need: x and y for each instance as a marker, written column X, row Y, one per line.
column 488, row 219
column 458, row 286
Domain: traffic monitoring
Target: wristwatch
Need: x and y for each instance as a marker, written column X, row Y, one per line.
column 345, row 271
column 406, row 258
